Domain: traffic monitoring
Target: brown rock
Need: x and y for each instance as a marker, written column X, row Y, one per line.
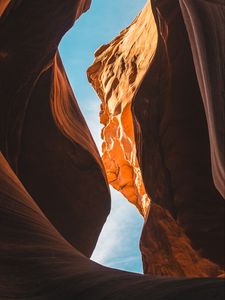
column 43, row 134
column 38, row 263
column 167, row 251
column 173, row 140
column 165, row 109
column 204, row 21
column 3, row 5
column 47, row 147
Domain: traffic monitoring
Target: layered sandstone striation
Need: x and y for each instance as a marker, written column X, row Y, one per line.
column 43, row 134
column 163, row 102
column 116, row 74
column 54, row 196
column 204, row 20
column 38, row 263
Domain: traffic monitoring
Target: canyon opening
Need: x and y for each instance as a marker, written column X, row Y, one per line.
column 160, row 83
column 124, row 224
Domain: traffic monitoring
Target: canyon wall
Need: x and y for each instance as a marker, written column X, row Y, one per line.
column 38, row 263
column 203, row 22
column 178, row 149
column 43, row 134
column 165, row 114
column 54, row 196
column 116, row 74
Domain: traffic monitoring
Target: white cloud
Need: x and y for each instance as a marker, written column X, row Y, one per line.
column 117, row 246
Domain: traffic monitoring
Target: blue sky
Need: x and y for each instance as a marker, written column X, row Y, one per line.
column 118, row 244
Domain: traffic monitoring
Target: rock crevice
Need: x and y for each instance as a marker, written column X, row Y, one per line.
column 54, row 195
column 157, row 129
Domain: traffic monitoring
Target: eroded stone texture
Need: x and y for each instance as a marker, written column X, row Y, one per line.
column 172, row 130
column 166, row 249
column 171, row 135
column 43, row 134
column 118, row 70
column 38, row 263
column 45, row 141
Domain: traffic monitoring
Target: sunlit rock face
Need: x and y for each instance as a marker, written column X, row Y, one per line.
column 43, row 134
column 53, row 193
column 118, row 70
column 162, row 99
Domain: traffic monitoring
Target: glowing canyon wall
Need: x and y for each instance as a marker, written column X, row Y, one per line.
column 150, row 86
column 116, row 74
column 54, row 195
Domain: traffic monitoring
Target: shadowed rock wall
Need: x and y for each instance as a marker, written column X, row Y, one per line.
column 175, row 149
column 43, row 134
column 204, row 20
column 172, row 134
column 38, row 263
column 49, row 222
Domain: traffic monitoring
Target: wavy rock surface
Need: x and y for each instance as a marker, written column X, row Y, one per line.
column 38, row 263
column 171, row 132
column 204, row 20
column 117, row 72
column 46, row 148
column 43, row 134
column 178, row 151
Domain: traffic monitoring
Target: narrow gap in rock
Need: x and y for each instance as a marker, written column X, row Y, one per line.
column 118, row 244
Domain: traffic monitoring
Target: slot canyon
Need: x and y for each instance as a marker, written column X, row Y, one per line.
column 160, row 84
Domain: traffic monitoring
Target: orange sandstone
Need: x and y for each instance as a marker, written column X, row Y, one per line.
column 116, row 74
column 156, row 139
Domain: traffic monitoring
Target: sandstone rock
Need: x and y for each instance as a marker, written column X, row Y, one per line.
column 204, row 22
column 116, row 74
column 165, row 110
column 172, row 135
column 38, row 263
column 51, row 172
column 43, row 134
column 3, row 5
column 167, row 251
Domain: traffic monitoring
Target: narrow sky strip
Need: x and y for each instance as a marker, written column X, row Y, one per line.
column 118, row 245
